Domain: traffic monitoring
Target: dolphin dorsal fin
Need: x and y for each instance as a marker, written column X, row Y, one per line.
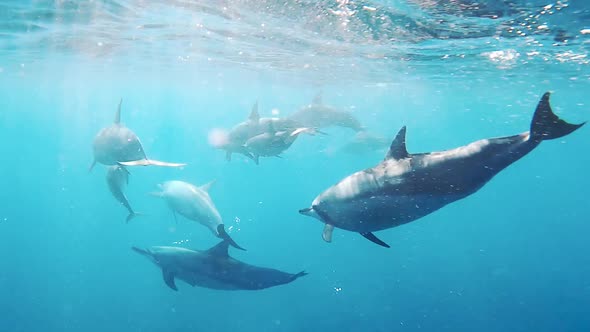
column 207, row 185
column 398, row 146
column 220, row 249
column 317, row 100
column 254, row 116
column 118, row 114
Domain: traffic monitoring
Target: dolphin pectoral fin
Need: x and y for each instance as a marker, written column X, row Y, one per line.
column 228, row 155
column 92, row 166
column 398, row 146
column 371, row 237
column 222, row 234
column 150, row 162
column 256, row 159
column 175, row 217
column 327, row 233
column 169, row 279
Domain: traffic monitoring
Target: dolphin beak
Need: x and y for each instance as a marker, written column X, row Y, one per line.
column 142, row 252
column 306, row 211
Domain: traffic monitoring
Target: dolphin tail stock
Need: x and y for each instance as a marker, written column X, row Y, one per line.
column 150, row 162
column 546, row 125
column 222, row 234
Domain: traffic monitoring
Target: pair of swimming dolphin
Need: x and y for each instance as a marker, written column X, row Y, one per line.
column 269, row 137
column 213, row 268
column 405, row 187
column 118, row 146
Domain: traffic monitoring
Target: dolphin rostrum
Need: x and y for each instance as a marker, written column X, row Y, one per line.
column 194, row 203
column 117, row 178
column 318, row 115
column 118, row 145
column 213, row 268
column 405, row 187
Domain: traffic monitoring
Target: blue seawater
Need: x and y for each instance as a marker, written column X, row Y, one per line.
column 511, row 257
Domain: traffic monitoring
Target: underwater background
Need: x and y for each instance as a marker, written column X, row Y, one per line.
column 511, row 257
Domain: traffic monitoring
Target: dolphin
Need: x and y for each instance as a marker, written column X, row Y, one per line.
column 405, row 187
column 364, row 142
column 273, row 143
column 213, row 268
column 117, row 177
column 194, row 203
column 318, row 115
column 253, row 126
column 117, row 144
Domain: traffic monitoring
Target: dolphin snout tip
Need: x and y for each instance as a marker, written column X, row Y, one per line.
column 305, row 211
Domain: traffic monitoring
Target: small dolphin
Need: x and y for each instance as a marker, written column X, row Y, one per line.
column 117, row 144
column 117, row 178
column 318, row 115
column 213, row 268
column 194, row 203
column 273, row 143
column 253, row 126
column 405, row 187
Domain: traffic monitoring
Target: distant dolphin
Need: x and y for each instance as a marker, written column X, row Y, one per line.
column 117, row 177
column 253, row 126
column 405, row 187
column 117, row 144
column 213, row 268
column 318, row 115
column 272, row 143
column 364, row 142
column 194, row 203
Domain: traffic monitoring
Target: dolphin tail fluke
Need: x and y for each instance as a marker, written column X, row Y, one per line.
column 223, row 235
column 546, row 125
column 371, row 237
column 299, row 275
column 133, row 215
column 150, row 162
column 244, row 150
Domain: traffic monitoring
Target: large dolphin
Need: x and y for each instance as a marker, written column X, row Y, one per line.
column 194, row 203
column 253, row 126
column 405, row 187
column 117, row 178
column 213, row 268
column 117, row 144
column 318, row 115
